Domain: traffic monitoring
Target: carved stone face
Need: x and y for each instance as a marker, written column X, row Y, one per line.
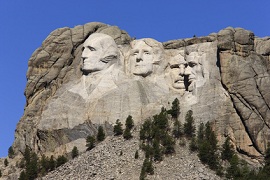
column 194, row 70
column 98, row 53
column 142, row 58
column 177, row 71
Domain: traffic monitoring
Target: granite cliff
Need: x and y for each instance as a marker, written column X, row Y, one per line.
column 223, row 78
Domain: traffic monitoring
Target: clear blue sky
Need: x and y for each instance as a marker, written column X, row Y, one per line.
column 25, row 24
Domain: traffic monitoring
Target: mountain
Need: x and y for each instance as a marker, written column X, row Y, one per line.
column 91, row 75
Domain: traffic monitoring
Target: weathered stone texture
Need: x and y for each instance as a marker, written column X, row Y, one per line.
column 245, row 76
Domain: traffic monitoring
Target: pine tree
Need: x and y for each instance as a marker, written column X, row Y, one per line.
column 246, row 173
column 233, row 171
column 129, row 122
column 10, row 152
column 148, row 150
column 23, row 176
column 117, row 129
column 227, row 152
column 127, row 134
column 189, row 128
column 129, row 125
column 6, row 162
column 210, row 136
column 100, row 134
column 175, row 110
column 193, row 144
column 265, row 172
column 267, row 157
column 52, row 163
column 0, row 173
column 204, row 153
column 208, row 148
column 157, row 152
column 200, row 134
column 177, row 129
column 74, row 152
column 32, row 167
column 143, row 173
column 147, row 168
column 136, row 156
column 168, row 144
column 146, row 130
column 207, row 131
column 61, row 160
column 90, row 142
column 44, row 165
column 27, row 155
column 161, row 120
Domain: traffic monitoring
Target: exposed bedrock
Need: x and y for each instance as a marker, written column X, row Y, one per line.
column 92, row 75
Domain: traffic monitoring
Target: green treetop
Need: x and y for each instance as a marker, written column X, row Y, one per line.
column 100, row 134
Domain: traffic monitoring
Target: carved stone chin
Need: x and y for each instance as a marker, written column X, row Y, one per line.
column 142, row 70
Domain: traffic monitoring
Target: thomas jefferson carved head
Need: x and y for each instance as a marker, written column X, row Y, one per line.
column 98, row 53
column 145, row 55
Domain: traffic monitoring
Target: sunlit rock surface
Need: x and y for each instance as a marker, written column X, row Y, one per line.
column 92, row 75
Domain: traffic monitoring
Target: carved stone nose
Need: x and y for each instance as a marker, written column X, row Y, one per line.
column 83, row 58
column 181, row 70
column 138, row 59
column 187, row 71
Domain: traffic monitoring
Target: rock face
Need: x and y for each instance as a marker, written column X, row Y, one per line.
column 245, row 76
column 92, row 75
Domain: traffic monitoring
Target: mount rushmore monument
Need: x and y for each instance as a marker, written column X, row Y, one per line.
column 92, row 75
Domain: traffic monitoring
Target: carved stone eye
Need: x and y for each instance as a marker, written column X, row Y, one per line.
column 91, row 48
column 191, row 64
column 135, row 53
column 147, row 53
column 173, row 66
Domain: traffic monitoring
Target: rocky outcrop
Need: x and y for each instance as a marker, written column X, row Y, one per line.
column 245, row 76
column 223, row 78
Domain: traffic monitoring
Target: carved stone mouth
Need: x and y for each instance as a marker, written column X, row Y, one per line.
column 190, row 80
column 179, row 81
